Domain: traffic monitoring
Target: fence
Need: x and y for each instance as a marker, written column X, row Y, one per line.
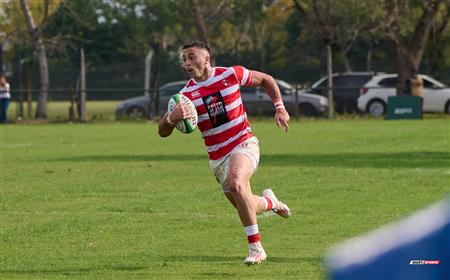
column 94, row 94
column 63, row 105
column 104, row 101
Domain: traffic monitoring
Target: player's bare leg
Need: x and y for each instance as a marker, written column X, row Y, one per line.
column 277, row 206
column 240, row 195
column 258, row 202
column 239, row 174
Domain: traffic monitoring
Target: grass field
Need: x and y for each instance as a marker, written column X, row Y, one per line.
column 115, row 201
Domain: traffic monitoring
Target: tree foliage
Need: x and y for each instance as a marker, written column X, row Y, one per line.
column 407, row 27
column 285, row 38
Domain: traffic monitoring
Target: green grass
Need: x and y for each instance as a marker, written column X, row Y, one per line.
column 115, row 201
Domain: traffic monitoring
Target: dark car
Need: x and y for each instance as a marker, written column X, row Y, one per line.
column 346, row 88
column 255, row 100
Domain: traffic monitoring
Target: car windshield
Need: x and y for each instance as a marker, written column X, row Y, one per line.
column 284, row 84
column 434, row 82
column 285, row 87
column 170, row 89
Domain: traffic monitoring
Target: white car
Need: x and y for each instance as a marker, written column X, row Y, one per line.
column 374, row 95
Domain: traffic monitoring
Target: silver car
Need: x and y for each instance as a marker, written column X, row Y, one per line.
column 255, row 100
column 141, row 106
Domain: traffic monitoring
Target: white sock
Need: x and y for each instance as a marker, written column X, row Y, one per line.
column 252, row 234
column 251, row 230
column 268, row 203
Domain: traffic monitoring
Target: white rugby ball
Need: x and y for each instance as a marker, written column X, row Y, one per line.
column 186, row 125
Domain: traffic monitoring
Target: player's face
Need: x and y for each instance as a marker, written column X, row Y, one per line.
column 195, row 61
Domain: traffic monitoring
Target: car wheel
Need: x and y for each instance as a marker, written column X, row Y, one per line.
column 136, row 112
column 376, row 108
column 447, row 107
column 307, row 110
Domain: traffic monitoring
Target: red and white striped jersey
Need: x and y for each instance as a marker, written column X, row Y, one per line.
column 221, row 115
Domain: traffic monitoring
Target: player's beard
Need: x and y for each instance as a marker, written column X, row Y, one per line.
column 191, row 73
column 195, row 73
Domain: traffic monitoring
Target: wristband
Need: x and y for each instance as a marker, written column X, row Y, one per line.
column 169, row 121
column 279, row 105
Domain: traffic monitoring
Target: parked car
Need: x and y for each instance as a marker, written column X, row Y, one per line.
column 374, row 95
column 255, row 100
column 346, row 88
column 139, row 107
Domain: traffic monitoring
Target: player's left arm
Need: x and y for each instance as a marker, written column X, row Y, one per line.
column 266, row 81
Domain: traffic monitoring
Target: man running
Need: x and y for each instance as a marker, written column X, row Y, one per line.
column 232, row 148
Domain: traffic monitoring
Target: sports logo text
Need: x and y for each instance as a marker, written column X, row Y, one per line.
column 422, row 262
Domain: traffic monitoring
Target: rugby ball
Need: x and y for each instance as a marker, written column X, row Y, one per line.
column 186, row 125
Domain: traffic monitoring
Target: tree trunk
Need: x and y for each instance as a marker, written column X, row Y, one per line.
column 157, row 48
column 29, row 94
column 262, row 59
column 36, row 35
column 1, row 58
column 409, row 57
column 82, row 100
column 403, row 65
column 347, row 65
column 330, row 81
column 422, row 31
column 236, row 50
column 369, row 59
column 147, row 80
column 200, row 25
column 41, row 110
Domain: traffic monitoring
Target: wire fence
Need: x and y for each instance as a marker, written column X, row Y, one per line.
column 94, row 94
column 63, row 103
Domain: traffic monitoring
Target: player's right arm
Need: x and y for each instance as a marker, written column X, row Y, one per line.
column 167, row 122
column 269, row 84
column 166, row 125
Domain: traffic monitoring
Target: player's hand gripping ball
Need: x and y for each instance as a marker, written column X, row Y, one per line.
column 187, row 125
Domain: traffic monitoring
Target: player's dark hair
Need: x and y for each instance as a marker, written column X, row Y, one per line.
column 199, row 44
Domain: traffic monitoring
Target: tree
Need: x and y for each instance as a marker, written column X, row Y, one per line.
column 437, row 54
column 36, row 33
column 13, row 35
column 321, row 17
column 408, row 34
column 206, row 15
column 268, row 32
column 199, row 21
column 338, row 24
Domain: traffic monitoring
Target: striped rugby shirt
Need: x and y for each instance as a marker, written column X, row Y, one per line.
column 222, row 119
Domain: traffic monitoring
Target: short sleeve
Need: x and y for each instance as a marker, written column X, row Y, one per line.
column 243, row 75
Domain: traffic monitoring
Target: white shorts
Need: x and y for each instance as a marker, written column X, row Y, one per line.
column 220, row 167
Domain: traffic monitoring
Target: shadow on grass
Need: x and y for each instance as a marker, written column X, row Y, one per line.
column 124, row 158
column 165, row 261
column 355, row 160
column 238, row 259
column 71, row 271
